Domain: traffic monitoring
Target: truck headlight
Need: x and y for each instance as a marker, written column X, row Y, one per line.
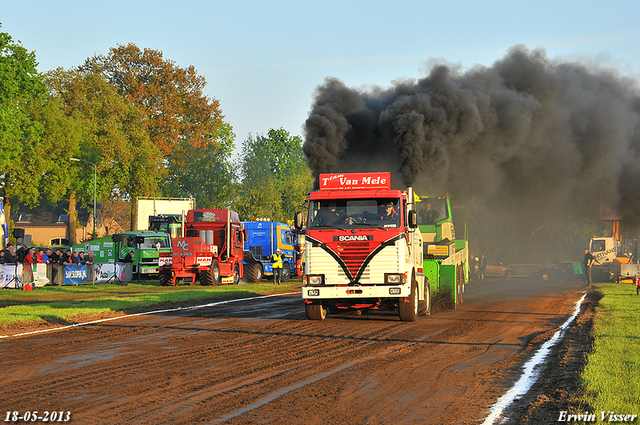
column 315, row 279
column 394, row 291
column 313, row 292
column 392, row 278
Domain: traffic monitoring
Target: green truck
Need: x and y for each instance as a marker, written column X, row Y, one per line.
column 150, row 250
column 445, row 258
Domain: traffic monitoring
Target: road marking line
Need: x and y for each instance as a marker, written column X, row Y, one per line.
column 193, row 307
column 530, row 371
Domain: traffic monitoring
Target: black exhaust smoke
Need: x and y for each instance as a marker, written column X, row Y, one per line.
column 534, row 136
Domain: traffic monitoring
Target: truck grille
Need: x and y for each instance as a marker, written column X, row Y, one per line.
column 353, row 254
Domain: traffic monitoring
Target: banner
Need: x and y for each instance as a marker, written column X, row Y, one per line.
column 4, row 228
column 352, row 181
column 75, row 274
column 11, row 276
column 40, row 274
column 113, row 272
column 104, row 272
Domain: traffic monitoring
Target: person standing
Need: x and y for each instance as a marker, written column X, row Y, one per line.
column 589, row 259
column 57, row 267
column 473, row 265
column 277, row 267
column 91, row 271
column 482, row 266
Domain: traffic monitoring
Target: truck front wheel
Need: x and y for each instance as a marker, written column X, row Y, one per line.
column 425, row 306
column 253, row 271
column 286, row 272
column 315, row 311
column 210, row 276
column 236, row 275
column 206, row 278
column 215, row 272
column 166, row 278
column 408, row 310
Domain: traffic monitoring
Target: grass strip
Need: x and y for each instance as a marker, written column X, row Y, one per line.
column 612, row 372
column 59, row 304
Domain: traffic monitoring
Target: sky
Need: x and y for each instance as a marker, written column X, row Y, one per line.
column 264, row 59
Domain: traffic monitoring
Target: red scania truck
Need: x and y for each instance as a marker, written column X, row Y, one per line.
column 363, row 248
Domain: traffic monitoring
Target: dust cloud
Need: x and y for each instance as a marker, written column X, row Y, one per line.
column 527, row 147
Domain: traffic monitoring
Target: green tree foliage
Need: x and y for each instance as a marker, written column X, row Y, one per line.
column 275, row 176
column 205, row 174
column 22, row 93
column 178, row 116
column 61, row 139
column 113, row 137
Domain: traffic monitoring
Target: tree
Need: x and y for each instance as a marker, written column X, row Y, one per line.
column 22, row 93
column 114, row 138
column 179, row 117
column 205, row 174
column 275, row 176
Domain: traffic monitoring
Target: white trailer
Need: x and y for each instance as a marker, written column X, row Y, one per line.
column 148, row 207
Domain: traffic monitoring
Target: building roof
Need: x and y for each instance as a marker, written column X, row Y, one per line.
column 41, row 218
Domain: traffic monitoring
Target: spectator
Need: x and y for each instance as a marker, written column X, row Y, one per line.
column 13, row 255
column 9, row 254
column 57, row 261
column 46, row 256
column 89, row 259
column 74, row 259
column 21, row 252
column 57, row 257
column 81, row 259
column 2, row 258
column 67, row 257
column 30, row 257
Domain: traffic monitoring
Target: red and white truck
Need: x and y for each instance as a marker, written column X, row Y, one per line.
column 210, row 251
column 363, row 248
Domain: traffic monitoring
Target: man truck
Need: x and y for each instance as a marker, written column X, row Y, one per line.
column 148, row 249
column 211, row 250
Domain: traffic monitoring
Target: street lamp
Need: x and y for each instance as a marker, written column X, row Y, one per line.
column 95, row 183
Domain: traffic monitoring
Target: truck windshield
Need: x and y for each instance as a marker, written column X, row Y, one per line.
column 352, row 213
column 431, row 210
column 155, row 242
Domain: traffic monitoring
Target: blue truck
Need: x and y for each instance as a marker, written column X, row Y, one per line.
column 263, row 239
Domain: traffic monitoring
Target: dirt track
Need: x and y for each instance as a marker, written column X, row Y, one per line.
column 260, row 361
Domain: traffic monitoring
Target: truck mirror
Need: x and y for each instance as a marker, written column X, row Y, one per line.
column 117, row 238
column 413, row 219
column 297, row 220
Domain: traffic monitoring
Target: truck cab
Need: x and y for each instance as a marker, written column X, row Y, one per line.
column 263, row 239
column 363, row 249
column 211, row 250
